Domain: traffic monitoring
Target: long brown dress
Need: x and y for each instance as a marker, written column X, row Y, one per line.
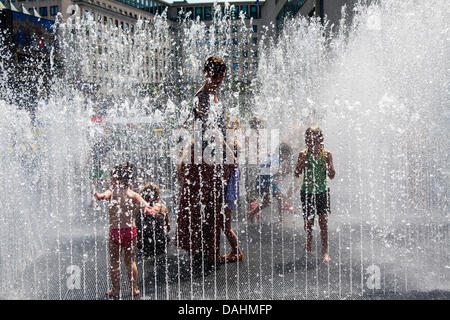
column 201, row 204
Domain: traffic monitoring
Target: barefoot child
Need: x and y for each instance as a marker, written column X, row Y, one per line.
column 273, row 168
column 315, row 163
column 122, row 226
column 153, row 228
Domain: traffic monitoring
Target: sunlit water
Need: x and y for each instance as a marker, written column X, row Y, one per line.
column 379, row 90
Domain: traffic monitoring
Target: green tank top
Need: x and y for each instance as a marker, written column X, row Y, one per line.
column 315, row 174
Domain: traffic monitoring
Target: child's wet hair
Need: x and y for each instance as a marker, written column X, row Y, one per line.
column 313, row 133
column 285, row 149
column 256, row 123
column 150, row 192
column 215, row 67
column 123, row 173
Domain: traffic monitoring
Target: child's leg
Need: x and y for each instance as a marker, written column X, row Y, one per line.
column 229, row 233
column 308, row 228
column 323, row 223
column 130, row 263
column 114, row 256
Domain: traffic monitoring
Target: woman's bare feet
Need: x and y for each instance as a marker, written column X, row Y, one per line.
column 233, row 256
column 326, row 258
column 112, row 294
column 136, row 292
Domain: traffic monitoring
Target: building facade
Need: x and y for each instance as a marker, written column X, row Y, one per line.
column 152, row 62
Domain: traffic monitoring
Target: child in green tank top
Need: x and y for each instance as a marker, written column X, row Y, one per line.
column 316, row 164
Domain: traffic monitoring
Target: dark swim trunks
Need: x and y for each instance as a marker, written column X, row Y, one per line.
column 123, row 237
column 313, row 204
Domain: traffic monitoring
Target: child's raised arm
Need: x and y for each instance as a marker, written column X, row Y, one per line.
column 300, row 164
column 103, row 196
column 138, row 199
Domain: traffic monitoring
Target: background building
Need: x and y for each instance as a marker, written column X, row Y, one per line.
column 162, row 48
column 25, row 49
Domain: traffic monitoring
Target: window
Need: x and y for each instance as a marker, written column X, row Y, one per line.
column 198, row 12
column 117, row 23
column 105, row 20
column 99, row 17
column 255, row 53
column 235, row 53
column 245, row 65
column 255, row 28
column 234, row 29
column 43, row 11
column 53, row 10
column 255, row 41
column 235, row 41
column 208, row 15
column 236, row 12
column 245, row 53
column 254, row 12
column 235, row 66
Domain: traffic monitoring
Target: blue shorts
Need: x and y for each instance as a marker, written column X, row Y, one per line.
column 232, row 189
column 263, row 185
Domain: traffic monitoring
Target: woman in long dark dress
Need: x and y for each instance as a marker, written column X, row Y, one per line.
column 202, row 190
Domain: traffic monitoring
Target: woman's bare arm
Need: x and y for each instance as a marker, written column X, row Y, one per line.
column 103, row 196
column 138, row 200
column 330, row 166
column 300, row 164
